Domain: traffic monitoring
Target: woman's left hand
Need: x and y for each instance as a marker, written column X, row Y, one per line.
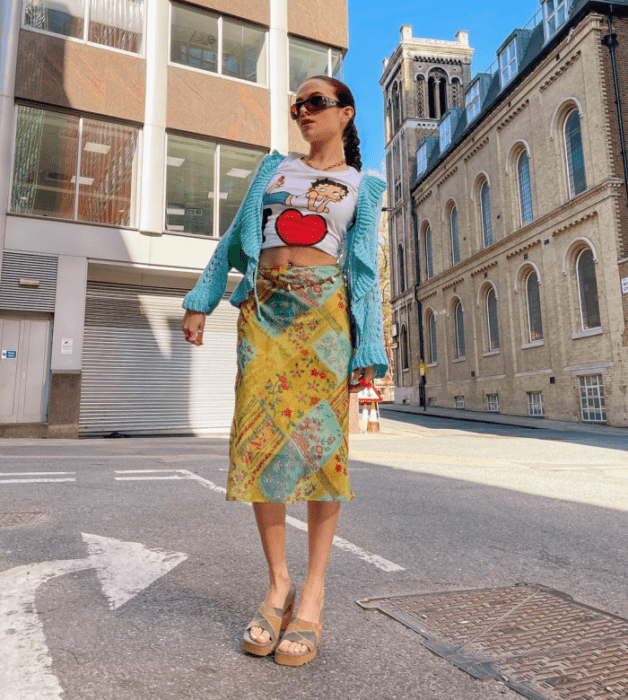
column 363, row 376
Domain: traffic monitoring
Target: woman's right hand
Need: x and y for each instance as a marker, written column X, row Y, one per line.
column 193, row 326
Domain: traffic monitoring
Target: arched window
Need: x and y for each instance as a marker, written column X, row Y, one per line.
column 431, row 338
column 587, row 290
column 404, row 348
column 389, row 118
column 456, row 93
column 525, row 191
column 455, row 239
column 420, row 96
column 533, row 299
column 429, row 258
column 459, row 329
column 485, row 200
column 402, row 269
column 443, row 95
column 575, row 156
column 491, row 320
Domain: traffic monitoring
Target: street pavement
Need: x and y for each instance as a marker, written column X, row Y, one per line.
column 136, row 579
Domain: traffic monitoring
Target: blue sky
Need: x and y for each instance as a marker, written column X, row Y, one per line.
column 374, row 34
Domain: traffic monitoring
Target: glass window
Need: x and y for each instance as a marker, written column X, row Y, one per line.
column 485, row 198
column 525, row 191
column 555, row 15
column 196, row 37
column 429, row 264
column 455, row 238
column 431, row 333
column 533, row 297
column 535, row 403
column 592, row 399
column 404, row 348
column 402, row 269
column 52, row 176
column 459, row 327
column 491, row 320
column 508, row 63
column 575, row 155
column 396, row 107
column 118, row 24
column 587, row 288
column 65, row 17
column 459, row 401
column 492, row 402
column 421, row 159
column 196, row 201
column 472, row 102
column 445, row 133
column 308, row 59
column 243, row 51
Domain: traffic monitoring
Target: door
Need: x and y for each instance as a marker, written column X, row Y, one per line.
column 24, row 369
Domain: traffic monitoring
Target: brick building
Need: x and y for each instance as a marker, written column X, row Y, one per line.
column 512, row 268
column 129, row 131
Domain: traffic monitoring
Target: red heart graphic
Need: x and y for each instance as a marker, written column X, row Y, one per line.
column 295, row 229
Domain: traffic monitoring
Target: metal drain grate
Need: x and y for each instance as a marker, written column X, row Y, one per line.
column 15, row 519
column 538, row 641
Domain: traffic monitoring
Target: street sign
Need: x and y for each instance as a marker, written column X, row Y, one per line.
column 123, row 568
column 369, row 394
column 9, row 354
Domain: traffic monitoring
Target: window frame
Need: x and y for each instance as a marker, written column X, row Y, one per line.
column 81, row 116
column 405, row 349
column 432, row 342
column 219, row 59
column 421, row 159
column 522, row 221
column 329, row 50
column 455, row 248
column 579, row 289
column 485, row 217
column 528, row 277
column 547, row 16
column 469, row 104
column 492, row 403
column 429, row 259
column 508, row 66
column 492, row 332
column 571, row 190
column 444, row 133
column 459, row 331
column 586, row 396
column 87, row 4
column 536, row 409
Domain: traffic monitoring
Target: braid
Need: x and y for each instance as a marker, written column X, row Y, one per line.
column 352, row 146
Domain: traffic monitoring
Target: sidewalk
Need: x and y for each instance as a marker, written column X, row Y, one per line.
column 500, row 419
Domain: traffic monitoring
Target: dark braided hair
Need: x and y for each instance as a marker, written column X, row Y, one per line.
column 350, row 138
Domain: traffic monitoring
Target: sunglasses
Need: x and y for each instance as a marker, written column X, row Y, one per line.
column 313, row 104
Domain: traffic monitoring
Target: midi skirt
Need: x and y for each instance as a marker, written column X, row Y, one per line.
column 289, row 437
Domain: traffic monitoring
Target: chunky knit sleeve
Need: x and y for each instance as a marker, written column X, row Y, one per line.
column 370, row 341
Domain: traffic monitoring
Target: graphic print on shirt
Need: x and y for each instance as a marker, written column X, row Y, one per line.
column 295, row 228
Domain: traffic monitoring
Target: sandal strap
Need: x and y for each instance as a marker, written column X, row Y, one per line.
column 269, row 618
column 303, row 632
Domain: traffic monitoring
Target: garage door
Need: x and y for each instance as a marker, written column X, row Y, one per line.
column 139, row 374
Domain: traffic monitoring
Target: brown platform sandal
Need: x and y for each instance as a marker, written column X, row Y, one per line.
column 301, row 632
column 274, row 621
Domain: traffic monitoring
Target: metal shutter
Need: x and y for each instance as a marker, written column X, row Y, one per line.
column 139, row 374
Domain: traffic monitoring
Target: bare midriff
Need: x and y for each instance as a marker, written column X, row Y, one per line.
column 297, row 256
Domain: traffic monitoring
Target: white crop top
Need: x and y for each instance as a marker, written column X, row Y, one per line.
column 308, row 207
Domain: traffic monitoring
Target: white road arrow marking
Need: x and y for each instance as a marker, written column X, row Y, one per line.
column 123, row 568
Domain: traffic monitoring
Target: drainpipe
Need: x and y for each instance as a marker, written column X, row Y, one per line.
column 417, row 262
column 610, row 41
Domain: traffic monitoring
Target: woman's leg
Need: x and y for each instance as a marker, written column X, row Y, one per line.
column 322, row 520
column 271, row 523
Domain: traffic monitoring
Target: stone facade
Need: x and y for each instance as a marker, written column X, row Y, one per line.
column 500, row 340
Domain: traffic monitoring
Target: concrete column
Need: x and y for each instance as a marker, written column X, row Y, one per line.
column 279, row 103
column 67, row 337
column 154, row 132
column 10, row 15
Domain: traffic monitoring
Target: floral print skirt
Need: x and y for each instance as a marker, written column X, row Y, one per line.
column 289, row 433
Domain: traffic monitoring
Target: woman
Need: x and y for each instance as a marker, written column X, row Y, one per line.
column 305, row 239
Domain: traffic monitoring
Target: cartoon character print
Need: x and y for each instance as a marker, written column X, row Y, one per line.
column 294, row 228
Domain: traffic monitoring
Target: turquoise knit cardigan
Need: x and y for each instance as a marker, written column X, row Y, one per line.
column 240, row 248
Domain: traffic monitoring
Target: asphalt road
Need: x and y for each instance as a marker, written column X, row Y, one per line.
column 440, row 506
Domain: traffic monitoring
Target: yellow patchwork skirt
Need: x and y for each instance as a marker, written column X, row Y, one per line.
column 289, row 437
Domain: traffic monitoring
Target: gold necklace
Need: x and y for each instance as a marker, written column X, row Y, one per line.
column 329, row 167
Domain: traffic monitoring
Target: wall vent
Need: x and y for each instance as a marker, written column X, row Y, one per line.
column 22, row 297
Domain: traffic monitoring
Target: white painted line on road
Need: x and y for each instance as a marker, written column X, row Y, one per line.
column 31, row 480
column 33, row 473
column 339, row 542
column 150, row 478
column 123, row 569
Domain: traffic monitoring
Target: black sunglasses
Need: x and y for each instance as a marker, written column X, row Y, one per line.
column 315, row 103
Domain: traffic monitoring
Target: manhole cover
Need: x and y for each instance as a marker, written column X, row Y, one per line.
column 538, row 641
column 14, row 519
